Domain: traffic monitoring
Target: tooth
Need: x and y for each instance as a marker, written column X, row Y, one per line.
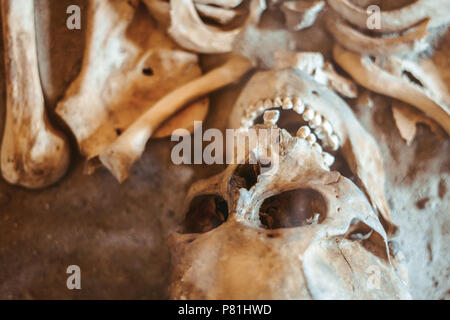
column 320, row 133
column 309, row 114
column 277, row 102
column 316, row 121
column 311, row 138
column 333, row 142
column 287, row 103
column 328, row 159
column 326, row 126
column 299, row 106
column 317, row 147
column 268, row 104
column 303, row 132
column 271, row 117
column 259, row 106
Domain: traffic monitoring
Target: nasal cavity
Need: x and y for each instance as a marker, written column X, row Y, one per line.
column 205, row 213
column 293, row 208
column 246, row 175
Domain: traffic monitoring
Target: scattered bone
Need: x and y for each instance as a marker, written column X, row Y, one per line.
column 313, row 64
column 33, row 154
column 123, row 152
column 128, row 65
column 399, row 19
column 406, row 118
column 217, row 14
column 338, row 83
column 227, row 4
column 190, row 32
column 414, row 40
column 372, row 76
column 301, row 14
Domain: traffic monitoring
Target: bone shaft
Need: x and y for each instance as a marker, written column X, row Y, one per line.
column 21, row 57
column 174, row 101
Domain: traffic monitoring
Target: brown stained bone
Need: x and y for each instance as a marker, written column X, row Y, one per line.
column 33, row 154
column 190, row 32
column 389, row 79
column 129, row 64
column 120, row 156
column 219, row 15
column 301, row 14
column 406, row 119
column 327, row 259
column 313, row 64
column 398, row 19
column 358, row 146
column 227, row 4
column 411, row 41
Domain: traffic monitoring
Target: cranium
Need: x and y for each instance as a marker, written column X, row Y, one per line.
column 300, row 231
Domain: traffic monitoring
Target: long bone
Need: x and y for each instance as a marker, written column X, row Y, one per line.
column 432, row 98
column 412, row 41
column 33, row 154
column 123, row 152
column 399, row 19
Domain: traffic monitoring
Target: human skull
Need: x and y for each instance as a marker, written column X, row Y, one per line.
column 296, row 231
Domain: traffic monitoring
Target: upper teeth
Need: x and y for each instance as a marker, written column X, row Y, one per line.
column 322, row 128
column 271, row 117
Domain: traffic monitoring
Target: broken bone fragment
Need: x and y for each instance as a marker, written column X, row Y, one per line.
column 398, row 19
column 192, row 33
column 389, row 76
column 313, row 63
column 33, row 154
column 128, row 147
column 412, row 40
column 301, row 14
column 407, row 118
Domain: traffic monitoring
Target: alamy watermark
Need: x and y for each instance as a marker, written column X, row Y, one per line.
column 73, row 22
column 250, row 146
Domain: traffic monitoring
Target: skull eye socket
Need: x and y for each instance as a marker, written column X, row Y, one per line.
column 205, row 213
column 293, row 208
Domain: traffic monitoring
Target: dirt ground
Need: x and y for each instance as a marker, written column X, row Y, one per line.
column 117, row 233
